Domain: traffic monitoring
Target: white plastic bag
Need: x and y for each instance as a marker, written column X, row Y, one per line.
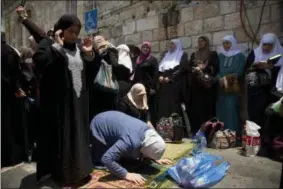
column 251, row 140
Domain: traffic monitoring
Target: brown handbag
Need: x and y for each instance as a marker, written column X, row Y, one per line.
column 223, row 139
column 211, row 127
column 231, row 84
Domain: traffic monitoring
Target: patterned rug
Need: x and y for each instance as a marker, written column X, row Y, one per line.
column 154, row 173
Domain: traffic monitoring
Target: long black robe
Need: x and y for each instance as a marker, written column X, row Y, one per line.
column 146, row 73
column 13, row 131
column 63, row 142
column 104, row 99
column 200, row 101
column 169, row 95
column 28, row 84
column 257, row 91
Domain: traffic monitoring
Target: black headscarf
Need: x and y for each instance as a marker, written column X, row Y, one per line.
column 64, row 23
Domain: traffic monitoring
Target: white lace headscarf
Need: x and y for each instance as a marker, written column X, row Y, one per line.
column 172, row 59
column 124, row 57
column 234, row 48
column 271, row 38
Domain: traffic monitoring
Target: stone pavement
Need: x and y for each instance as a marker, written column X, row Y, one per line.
column 245, row 172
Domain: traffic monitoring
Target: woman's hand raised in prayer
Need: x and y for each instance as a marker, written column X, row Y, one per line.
column 21, row 11
column 164, row 162
column 59, row 38
column 87, row 46
column 135, row 178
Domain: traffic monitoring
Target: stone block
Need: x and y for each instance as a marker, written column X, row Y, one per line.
column 80, row 13
column 163, row 45
column 155, row 46
column 133, row 39
column 232, row 21
column 112, row 41
column 186, row 42
column 156, row 5
column 213, row 24
column 273, row 27
column 105, row 32
column 206, row 10
column 243, row 47
column 147, row 35
column 102, row 23
column 129, row 28
column 152, row 13
column 120, row 40
column 254, row 16
column 175, row 31
column 218, row 36
column 194, row 27
column 141, row 12
column 116, row 31
column 158, row 34
column 276, row 12
column 241, row 36
column 127, row 14
column 148, row 23
column 195, row 39
column 228, row 7
column 187, row 14
column 113, row 19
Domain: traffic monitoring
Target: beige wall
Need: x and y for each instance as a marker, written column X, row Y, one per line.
column 133, row 22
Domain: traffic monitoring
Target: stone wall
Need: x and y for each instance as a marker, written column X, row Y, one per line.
column 43, row 13
column 135, row 21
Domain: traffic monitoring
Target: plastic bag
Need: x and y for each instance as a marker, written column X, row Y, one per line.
column 251, row 140
column 104, row 77
column 252, row 129
column 198, row 171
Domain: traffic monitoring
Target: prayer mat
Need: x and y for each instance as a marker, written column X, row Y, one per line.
column 154, row 174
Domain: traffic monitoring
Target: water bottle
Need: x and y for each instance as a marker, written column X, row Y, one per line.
column 200, row 143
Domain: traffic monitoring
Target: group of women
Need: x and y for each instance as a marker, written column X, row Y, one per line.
column 149, row 89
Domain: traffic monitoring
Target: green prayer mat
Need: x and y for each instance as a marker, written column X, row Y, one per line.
column 154, row 173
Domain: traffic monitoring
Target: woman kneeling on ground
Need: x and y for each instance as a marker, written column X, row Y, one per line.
column 116, row 135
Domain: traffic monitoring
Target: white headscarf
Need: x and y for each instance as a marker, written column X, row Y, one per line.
column 153, row 146
column 136, row 90
column 234, row 48
column 271, row 38
column 124, row 57
column 172, row 59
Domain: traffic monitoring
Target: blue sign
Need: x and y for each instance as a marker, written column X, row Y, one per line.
column 91, row 21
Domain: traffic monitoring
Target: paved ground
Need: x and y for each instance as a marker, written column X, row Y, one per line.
column 245, row 172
